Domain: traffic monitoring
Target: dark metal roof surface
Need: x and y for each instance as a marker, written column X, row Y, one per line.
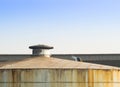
column 90, row 57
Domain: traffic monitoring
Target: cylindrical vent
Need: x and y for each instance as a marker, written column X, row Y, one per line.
column 41, row 50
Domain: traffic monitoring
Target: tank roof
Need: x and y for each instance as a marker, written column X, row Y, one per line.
column 52, row 63
column 40, row 46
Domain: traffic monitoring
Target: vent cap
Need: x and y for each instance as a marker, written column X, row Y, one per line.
column 41, row 50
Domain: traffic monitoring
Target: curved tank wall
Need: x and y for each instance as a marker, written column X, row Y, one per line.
column 59, row 77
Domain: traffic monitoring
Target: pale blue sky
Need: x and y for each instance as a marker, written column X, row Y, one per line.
column 71, row 26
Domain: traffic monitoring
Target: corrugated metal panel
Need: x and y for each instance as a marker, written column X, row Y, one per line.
column 85, row 57
column 105, row 59
column 90, row 57
column 43, row 78
column 45, row 62
column 104, row 78
column 16, row 57
column 59, row 78
column 116, row 78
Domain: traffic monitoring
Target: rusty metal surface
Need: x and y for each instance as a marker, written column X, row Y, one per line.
column 59, row 78
column 45, row 62
column 52, row 72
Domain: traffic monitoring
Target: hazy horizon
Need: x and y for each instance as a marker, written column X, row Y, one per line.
column 71, row 26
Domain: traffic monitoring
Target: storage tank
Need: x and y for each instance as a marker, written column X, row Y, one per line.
column 44, row 71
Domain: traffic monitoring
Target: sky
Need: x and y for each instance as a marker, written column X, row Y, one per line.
column 71, row 26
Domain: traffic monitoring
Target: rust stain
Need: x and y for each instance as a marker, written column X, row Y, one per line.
column 59, row 78
column 90, row 78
